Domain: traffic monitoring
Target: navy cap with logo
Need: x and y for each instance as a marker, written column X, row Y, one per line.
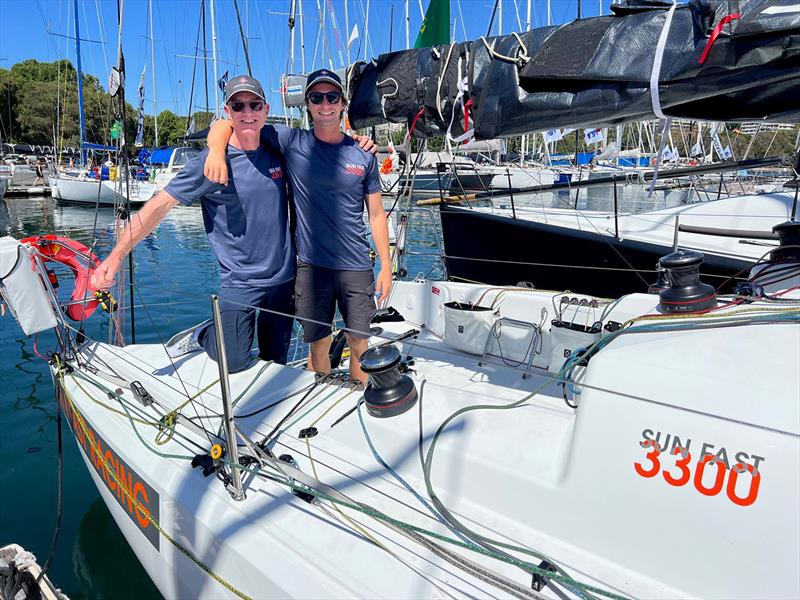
column 243, row 83
column 323, row 76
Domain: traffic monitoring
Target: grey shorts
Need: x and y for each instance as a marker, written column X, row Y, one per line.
column 318, row 291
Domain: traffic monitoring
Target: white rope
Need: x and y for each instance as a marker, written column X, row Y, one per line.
column 441, row 77
column 655, row 73
column 655, row 99
column 385, row 96
column 522, row 54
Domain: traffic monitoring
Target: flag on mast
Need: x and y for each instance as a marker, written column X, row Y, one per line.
column 435, row 28
column 223, row 82
column 353, row 35
column 140, row 117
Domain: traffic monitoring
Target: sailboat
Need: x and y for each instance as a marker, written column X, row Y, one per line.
column 512, row 442
column 80, row 188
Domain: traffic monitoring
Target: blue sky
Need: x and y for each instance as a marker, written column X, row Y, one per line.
column 37, row 29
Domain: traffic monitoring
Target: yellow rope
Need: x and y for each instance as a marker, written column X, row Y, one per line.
column 139, row 508
column 335, row 506
column 327, row 410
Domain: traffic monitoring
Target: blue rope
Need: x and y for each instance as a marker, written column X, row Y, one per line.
column 402, row 481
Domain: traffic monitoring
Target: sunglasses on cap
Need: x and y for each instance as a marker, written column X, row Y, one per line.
column 331, row 97
column 255, row 106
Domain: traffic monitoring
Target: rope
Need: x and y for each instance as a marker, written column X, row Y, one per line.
column 522, row 54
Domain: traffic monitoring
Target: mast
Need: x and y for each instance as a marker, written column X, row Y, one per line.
column 302, row 38
column 292, row 20
column 123, row 159
column 408, row 17
column 500, row 19
column 347, row 41
column 153, row 63
column 244, row 39
column 205, row 54
column 80, row 83
column 214, row 59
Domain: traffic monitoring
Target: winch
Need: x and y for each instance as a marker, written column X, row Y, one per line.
column 686, row 293
column 389, row 392
column 789, row 235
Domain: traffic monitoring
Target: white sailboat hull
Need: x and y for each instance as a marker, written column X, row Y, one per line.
column 90, row 192
column 579, row 485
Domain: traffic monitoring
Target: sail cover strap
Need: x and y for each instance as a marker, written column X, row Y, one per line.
column 655, row 73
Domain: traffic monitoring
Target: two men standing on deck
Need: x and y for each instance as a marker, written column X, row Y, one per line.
column 332, row 180
column 247, row 223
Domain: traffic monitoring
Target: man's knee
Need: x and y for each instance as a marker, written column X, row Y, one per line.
column 238, row 360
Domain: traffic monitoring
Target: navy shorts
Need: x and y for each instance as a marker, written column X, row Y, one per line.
column 241, row 323
column 318, row 291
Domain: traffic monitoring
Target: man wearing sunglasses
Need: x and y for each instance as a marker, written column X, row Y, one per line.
column 332, row 180
column 247, row 223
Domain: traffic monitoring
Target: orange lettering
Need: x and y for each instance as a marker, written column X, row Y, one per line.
column 683, row 467
column 698, row 476
column 652, row 456
column 142, row 514
column 109, row 463
column 755, row 482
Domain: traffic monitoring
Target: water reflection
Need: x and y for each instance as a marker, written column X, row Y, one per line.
column 105, row 566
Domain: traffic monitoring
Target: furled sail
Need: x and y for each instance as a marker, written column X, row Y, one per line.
column 706, row 60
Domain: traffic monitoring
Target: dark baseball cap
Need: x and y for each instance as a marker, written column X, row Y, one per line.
column 243, row 83
column 323, row 76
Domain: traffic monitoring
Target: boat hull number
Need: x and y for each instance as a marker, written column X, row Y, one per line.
column 711, row 470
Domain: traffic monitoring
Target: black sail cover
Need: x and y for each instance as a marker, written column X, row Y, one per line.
column 720, row 60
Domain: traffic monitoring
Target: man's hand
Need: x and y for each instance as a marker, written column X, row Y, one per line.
column 215, row 168
column 103, row 276
column 384, row 283
column 364, row 142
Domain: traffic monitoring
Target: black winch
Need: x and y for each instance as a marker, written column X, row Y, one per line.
column 686, row 293
column 789, row 235
column 389, row 392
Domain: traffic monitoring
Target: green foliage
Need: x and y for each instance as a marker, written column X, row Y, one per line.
column 39, row 105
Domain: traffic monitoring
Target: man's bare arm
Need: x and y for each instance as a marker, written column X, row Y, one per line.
column 140, row 226
column 215, row 168
column 379, row 226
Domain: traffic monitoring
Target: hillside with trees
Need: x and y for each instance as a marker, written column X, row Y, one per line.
column 39, row 105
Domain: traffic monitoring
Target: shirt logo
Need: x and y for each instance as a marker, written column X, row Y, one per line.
column 276, row 173
column 353, row 169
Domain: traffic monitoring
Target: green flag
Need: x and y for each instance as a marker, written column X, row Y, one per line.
column 116, row 130
column 435, row 28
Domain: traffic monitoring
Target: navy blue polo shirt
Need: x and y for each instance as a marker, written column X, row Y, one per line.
column 247, row 221
column 329, row 183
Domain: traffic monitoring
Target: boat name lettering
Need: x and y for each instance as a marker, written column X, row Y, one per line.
column 125, row 484
column 708, row 474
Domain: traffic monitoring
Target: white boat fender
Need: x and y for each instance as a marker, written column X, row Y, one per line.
column 22, row 287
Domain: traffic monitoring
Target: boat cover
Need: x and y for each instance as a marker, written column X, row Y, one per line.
column 719, row 60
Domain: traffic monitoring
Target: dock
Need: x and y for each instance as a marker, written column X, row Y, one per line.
column 39, row 190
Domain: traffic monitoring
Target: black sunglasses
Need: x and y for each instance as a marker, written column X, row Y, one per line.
column 331, row 97
column 255, row 106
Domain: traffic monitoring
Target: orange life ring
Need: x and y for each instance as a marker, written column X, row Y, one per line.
column 81, row 261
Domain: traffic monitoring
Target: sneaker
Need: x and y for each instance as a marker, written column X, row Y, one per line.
column 186, row 341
